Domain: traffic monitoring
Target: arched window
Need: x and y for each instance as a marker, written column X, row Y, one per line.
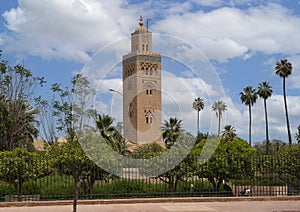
column 146, row 47
column 143, row 47
column 149, row 119
column 149, row 92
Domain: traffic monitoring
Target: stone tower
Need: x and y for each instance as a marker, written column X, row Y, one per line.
column 142, row 115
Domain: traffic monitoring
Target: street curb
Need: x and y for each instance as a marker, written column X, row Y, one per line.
column 148, row 200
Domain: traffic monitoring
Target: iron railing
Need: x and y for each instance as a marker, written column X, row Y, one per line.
column 223, row 175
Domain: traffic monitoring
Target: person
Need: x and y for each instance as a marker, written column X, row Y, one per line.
column 246, row 192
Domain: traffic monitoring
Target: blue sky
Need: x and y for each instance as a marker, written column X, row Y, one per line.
column 241, row 39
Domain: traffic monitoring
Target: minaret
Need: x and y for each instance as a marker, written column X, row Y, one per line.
column 142, row 89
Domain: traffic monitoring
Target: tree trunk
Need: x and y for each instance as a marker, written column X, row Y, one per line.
column 286, row 113
column 171, row 184
column 18, row 189
column 92, row 181
column 198, row 131
column 76, row 179
column 219, row 183
column 219, row 126
column 267, row 128
column 250, row 124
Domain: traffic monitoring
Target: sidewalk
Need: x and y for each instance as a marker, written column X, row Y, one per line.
column 169, row 205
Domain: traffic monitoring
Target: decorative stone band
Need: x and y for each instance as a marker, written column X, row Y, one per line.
column 145, row 57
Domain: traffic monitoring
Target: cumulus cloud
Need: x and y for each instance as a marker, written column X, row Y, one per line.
column 212, row 3
column 231, row 3
column 295, row 76
column 226, row 33
column 68, row 29
column 72, row 29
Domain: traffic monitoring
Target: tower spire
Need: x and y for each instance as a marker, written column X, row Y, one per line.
column 141, row 21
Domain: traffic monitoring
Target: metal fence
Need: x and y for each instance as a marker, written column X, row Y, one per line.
column 31, row 179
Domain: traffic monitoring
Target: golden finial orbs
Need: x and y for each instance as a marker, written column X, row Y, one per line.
column 141, row 21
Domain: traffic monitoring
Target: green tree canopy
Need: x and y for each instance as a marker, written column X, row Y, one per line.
column 230, row 160
column 71, row 158
column 19, row 165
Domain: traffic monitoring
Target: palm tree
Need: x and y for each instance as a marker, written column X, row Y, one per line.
column 284, row 69
column 104, row 124
column 249, row 97
column 264, row 92
column 111, row 134
column 198, row 105
column 219, row 107
column 229, row 132
column 171, row 130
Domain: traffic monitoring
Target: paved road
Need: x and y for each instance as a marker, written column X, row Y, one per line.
column 236, row 206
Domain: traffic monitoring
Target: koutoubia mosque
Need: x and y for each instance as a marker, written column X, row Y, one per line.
column 142, row 99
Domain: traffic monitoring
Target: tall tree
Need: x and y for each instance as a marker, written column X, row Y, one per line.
column 72, row 107
column 249, row 97
column 198, row 105
column 17, row 114
column 19, row 166
column 219, row 107
column 171, row 130
column 218, row 168
column 71, row 157
column 284, row 69
column 264, row 92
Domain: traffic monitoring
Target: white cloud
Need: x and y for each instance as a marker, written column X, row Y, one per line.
column 71, row 29
column 213, row 3
column 232, row 3
column 66, row 29
column 226, row 33
column 294, row 78
column 178, row 8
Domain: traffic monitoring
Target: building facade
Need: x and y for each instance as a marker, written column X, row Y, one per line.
column 142, row 114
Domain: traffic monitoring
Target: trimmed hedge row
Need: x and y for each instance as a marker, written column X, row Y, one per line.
column 61, row 187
